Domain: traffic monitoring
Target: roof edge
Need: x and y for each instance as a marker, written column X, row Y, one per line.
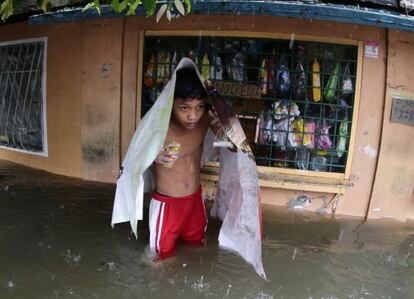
column 315, row 11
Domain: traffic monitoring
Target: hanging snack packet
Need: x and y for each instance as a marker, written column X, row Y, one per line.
column 309, row 136
column 316, row 81
column 330, row 88
column 263, row 77
column 298, row 129
column 271, row 76
column 238, row 71
column 161, row 67
column 174, row 61
column 347, row 86
column 299, row 81
column 324, row 140
column 283, row 77
column 167, row 65
column 149, row 73
column 343, row 134
column 216, row 70
column 205, row 67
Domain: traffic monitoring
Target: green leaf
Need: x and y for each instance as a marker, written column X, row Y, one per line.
column 115, row 5
column 149, row 6
column 188, row 2
column 6, row 9
column 133, row 7
column 179, row 6
column 161, row 12
column 124, row 5
column 97, row 6
column 88, row 6
column 45, row 5
column 93, row 5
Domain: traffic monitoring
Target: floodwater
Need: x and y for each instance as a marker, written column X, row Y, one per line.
column 56, row 242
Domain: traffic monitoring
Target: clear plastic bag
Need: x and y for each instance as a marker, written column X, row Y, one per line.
column 347, row 86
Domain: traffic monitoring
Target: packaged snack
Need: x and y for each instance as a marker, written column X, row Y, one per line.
column 324, row 140
column 216, row 70
column 299, row 82
column 271, row 77
column 302, row 158
column 205, row 67
column 174, row 61
column 160, row 67
column 347, row 86
column 172, row 148
column 282, row 76
column 149, row 73
column 316, row 81
column 263, row 76
column 343, row 135
column 284, row 114
column 167, row 63
column 331, row 86
column 238, row 64
column 309, row 135
column 318, row 163
column 298, row 129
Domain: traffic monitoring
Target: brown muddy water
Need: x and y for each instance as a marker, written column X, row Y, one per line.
column 56, row 242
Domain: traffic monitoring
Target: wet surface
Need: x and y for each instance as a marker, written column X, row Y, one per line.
column 56, row 242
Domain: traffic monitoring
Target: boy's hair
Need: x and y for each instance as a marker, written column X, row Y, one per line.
column 188, row 85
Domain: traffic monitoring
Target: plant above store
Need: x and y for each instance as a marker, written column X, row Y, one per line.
column 126, row 7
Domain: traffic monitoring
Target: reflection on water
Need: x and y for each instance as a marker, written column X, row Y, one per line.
column 56, row 242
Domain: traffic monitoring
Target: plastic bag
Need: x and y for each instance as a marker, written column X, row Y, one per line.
column 347, row 86
column 331, row 86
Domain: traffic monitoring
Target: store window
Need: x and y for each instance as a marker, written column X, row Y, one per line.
column 295, row 99
column 22, row 95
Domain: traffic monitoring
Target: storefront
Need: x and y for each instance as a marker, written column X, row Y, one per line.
column 312, row 97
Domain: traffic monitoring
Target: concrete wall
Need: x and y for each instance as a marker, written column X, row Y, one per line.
column 93, row 102
column 393, row 192
column 63, row 96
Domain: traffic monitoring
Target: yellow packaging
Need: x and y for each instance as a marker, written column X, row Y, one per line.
column 316, row 81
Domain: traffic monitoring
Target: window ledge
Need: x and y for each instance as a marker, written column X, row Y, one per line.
column 290, row 182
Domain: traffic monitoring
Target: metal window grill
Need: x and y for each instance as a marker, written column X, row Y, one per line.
column 290, row 119
column 21, row 117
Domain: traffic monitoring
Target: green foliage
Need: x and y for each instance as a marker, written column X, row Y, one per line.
column 128, row 7
column 6, row 9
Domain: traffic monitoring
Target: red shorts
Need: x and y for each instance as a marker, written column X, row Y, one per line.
column 176, row 218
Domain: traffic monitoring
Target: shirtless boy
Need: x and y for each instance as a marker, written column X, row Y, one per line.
column 177, row 210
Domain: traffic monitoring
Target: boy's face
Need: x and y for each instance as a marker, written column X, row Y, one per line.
column 187, row 113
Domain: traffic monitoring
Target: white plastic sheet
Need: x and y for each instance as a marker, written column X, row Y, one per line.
column 237, row 197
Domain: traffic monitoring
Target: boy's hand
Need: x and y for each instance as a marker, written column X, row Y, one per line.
column 169, row 155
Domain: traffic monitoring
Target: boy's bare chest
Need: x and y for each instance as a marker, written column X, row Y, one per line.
column 191, row 142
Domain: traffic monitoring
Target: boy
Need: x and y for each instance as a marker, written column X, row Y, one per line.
column 177, row 208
